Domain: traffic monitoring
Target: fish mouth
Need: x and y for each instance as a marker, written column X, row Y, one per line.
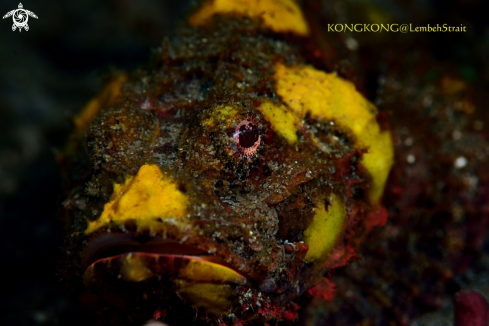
column 106, row 247
column 200, row 279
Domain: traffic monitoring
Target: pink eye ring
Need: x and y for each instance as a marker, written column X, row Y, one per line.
column 247, row 137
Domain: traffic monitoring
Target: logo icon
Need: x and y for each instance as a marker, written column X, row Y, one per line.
column 20, row 17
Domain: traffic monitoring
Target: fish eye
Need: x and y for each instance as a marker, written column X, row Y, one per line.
column 247, row 137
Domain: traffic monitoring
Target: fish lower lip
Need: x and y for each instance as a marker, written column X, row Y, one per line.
column 196, row 280
column 140, row 266
column 108, row 247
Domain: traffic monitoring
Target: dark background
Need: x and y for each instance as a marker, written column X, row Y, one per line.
column 48, row 73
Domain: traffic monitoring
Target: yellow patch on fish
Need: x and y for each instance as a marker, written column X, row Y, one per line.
column 209, row 286
column 215, row 299
column 134, row 269
column 148, row 196
column 203, row 271
column 221, row 114
column 325, row 96
column 324, row 230
column 283, row 121
column 278, row 15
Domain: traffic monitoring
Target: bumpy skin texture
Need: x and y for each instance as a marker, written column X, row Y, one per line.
column 177, row 119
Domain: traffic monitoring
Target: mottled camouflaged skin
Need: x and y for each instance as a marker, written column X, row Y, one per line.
column 158, row 120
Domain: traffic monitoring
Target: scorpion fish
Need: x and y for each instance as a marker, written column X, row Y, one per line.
column 225, row 178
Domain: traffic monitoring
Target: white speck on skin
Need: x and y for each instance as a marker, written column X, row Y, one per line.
column 411, row 159
column 146, row 105
column 460, row 162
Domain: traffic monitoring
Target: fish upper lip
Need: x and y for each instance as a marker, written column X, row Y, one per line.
column 110, row 245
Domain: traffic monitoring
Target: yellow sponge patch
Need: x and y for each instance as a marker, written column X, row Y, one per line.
column 199, row 270
column 147, row 196
column 282, row 120
column 208, row 285
column 215, row 299
column 325, row 96
column 324, row 229
column 278, row 15
column 221, row 114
